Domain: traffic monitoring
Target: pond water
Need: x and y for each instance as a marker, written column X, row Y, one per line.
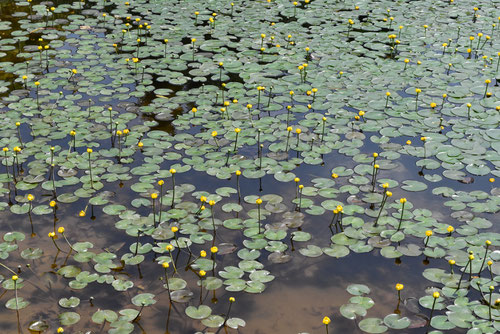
column 249, row 167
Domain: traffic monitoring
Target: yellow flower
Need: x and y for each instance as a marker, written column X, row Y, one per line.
column 154, row 195
column 174, row 229
column 450, row 229
column 487, row 81
column 298, row 131
column 169, row 247
column 194, row 109
column 418, row 90
column 37, row 83
column 211, row 203
column 402, row 200
column 433, row 105
column 249, row 106
column 340, row 208
column 202, row 273
column 388, row 94
column 436, row 295
column 89, row 150
column 471, row 257
column 326, row 320
column 161, row 182
column 399, row 286
column 52, row 204
column 6, row 149
column 388, row 193
column 214, row 249
column 72, row 133
column 51, row 234
column 375, row 154
column 376, row 166
column 238, row 172
column 221, row 64
column 60, row 230
column 231, row 299
column 258, row 201
column 165, row 265
column 203, row 199
column 408, row 142
column 487, row 242
column 203, row 253
column 15, row 278
column 214, row 133
column 237, row 130
column 81, row 213
column 172, row 171
column 385, row 185
column 451, row 262
column 291, row 92
column 60, row 330
column 489, row 263
column 334, row 175
column 289, row 129
column 423, row 138
column 428, row 233
column 30, row 197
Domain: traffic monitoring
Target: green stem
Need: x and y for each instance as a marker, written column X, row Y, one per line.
column 401, row 218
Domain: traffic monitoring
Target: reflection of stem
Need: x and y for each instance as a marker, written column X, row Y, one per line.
column 168, row 287
column 67, row 257
column 15, row 290
column 138, row 314
column 168, row 317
